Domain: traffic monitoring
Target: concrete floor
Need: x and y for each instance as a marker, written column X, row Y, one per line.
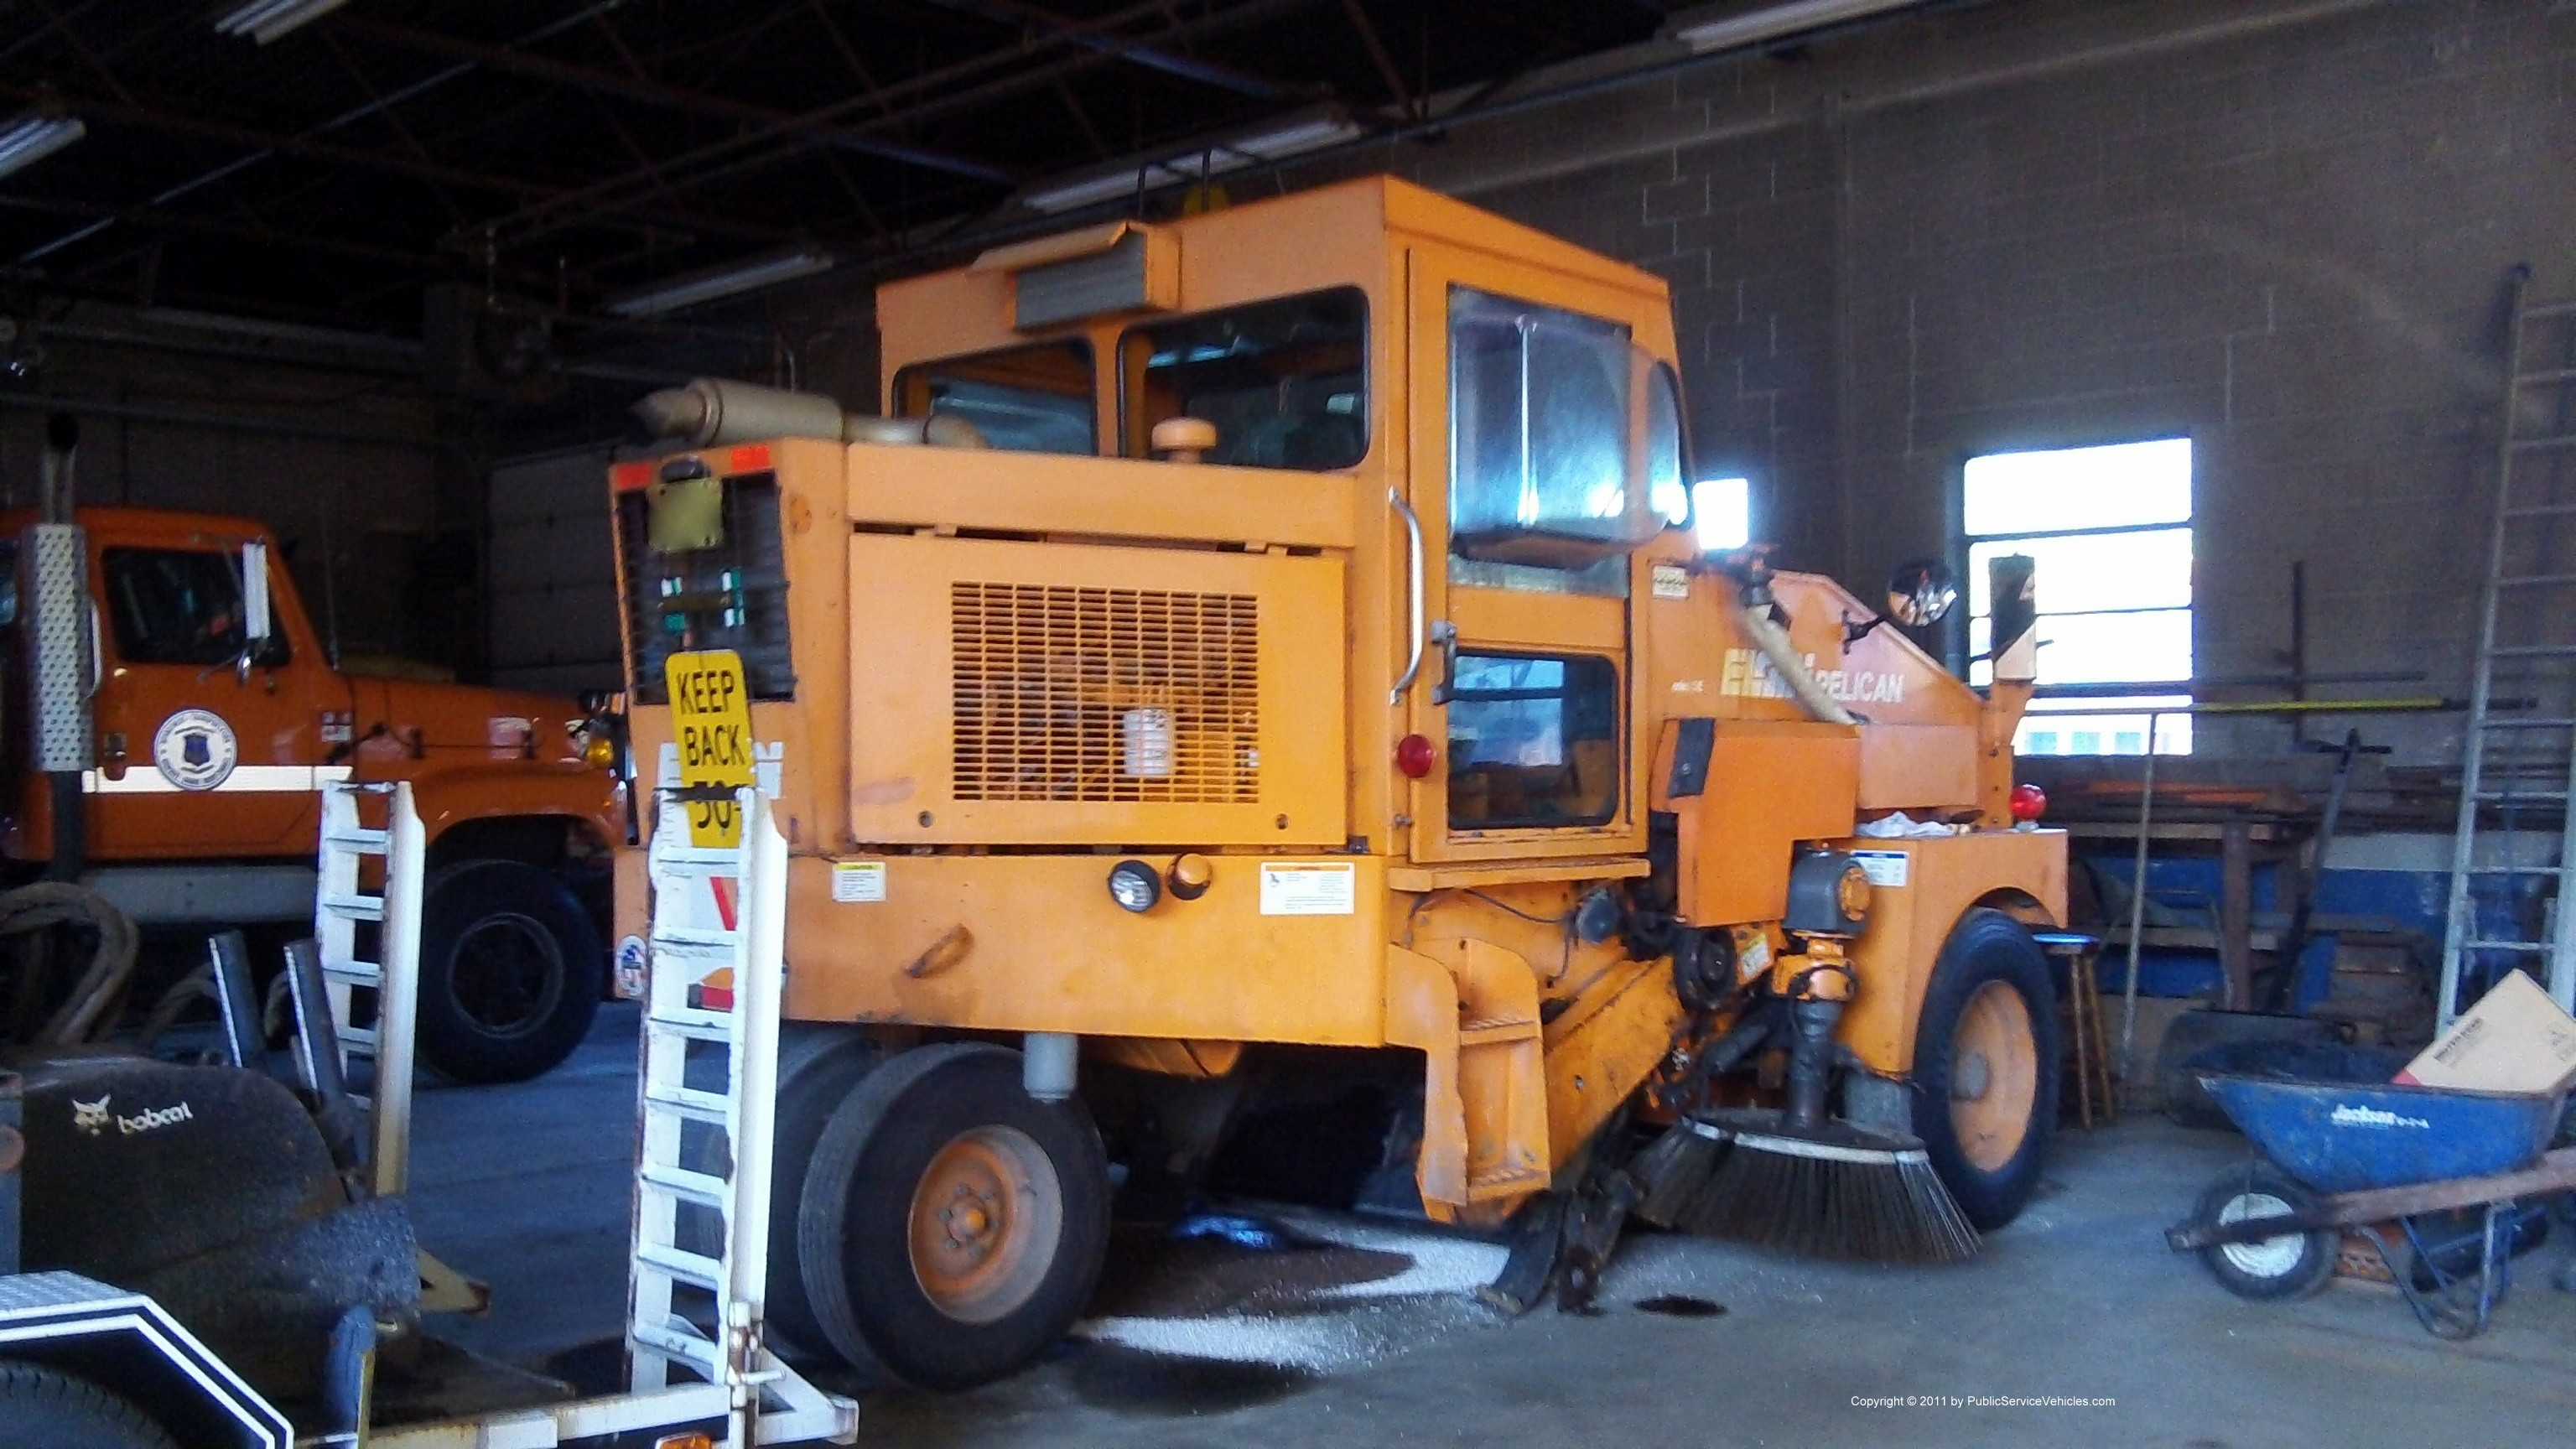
column 1367, row 1333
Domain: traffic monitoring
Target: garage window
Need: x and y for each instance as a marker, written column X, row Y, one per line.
column 1035, row 399
column 2110, row 530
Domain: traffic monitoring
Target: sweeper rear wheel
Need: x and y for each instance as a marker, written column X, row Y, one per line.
column 1985, row 1066
column 951, row 1226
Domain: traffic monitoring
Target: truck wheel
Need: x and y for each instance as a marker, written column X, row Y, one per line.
column 952, row 1226
column 509, row 971
column 1985, row 1066
column 44, row 1409
column 2289, row 1266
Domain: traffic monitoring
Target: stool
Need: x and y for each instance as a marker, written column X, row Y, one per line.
column 2097, row 1097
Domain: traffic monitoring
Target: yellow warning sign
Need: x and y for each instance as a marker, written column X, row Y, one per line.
column 711, row 708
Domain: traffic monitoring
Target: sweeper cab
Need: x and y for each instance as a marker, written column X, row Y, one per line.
column 1262, row 661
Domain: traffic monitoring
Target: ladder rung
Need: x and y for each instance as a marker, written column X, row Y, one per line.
column 2522, row 794
column 2541, row 510
column 2528, row 722
column 703, row 1188
column 371, row 842
column 2518, row 581
column 697, row 1106
column 674, row 1343
column 356, row 908
column 2532, row 651
column 356, row 973
column 2537, row 947
column 2561, row 440
column 679, row 1263
column 710, row 1028
column 2545, row 377
column 358, row 1039
column 2549, row 309
column 2513, row 870
column 692, row 936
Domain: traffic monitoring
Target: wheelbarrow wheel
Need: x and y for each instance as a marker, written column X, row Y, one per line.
column 2292, row 1265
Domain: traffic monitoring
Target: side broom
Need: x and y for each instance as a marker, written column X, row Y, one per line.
column 1796, row 1180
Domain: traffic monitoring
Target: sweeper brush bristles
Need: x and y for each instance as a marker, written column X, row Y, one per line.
column 1674, row 1169
column 1835, row 1192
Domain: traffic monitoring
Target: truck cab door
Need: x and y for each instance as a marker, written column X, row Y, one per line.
column 198, row 756
column 1527, row 434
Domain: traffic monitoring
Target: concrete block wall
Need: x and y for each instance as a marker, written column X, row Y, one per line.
column 346, row 469
column 2283, row 229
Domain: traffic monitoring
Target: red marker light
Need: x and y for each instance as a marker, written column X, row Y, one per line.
column 2029, row 802
column 1414, row 756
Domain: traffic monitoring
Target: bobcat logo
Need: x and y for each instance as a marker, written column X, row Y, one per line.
column 90, row 1117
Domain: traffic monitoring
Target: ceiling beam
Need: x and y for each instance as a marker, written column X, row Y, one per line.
column 1020, row 14
column 649, row 92
column 944, row 90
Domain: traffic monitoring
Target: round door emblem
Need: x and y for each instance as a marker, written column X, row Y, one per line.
column 195, row 749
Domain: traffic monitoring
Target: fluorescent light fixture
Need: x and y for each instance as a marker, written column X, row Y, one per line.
column 729, row 281
column 265, row 20
column 1293, row 137
column 1771, row 22
column 30, row 139
column 1724, row 509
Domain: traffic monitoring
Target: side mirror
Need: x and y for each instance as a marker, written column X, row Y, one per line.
column 1921, row 591
column 256, row 628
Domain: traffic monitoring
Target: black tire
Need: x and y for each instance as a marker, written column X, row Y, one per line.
column 1991, row 1173
column 2290, row 1266
column 42, row 1408
column 857, row 1212
column 510, row 972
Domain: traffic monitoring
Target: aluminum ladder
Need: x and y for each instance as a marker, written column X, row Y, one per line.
column 2513, row 856
column 717, row 973
column 341, row 904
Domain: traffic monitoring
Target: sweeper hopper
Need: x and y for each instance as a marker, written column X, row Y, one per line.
column 1264, row 658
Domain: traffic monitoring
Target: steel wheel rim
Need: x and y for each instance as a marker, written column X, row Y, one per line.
column 987, row 1217
column 2270, row 1257
column 506, row 975
column 1994, row 1076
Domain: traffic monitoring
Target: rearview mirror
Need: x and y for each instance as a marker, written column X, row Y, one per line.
column 1921, row 591
column 254, row 621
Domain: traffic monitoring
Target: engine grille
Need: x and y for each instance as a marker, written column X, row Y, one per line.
column 1076, row 694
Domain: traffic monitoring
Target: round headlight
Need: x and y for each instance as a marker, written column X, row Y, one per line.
column 1134, row 886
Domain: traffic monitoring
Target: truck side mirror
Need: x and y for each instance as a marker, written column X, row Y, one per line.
column 256, row 628
column 1921, row 591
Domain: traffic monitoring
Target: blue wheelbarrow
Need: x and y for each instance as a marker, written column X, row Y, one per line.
column 2339, row 1146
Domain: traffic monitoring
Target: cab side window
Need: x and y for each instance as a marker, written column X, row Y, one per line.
column 1285, row 382
column 177, row 606
column 1035, row 399
column 1533, row 741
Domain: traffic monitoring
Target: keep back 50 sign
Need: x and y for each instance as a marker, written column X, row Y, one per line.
column 711, row 711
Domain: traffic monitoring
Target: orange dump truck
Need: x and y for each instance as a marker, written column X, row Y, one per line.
column 1298, row 671
column 170, row 718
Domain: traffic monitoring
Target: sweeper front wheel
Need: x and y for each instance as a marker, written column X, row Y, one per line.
column 951, row 1226
column 1985, row 1066
column 2292, row 1265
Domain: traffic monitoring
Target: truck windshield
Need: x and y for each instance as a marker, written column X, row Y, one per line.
column 175, row 606
column 1544, row 466
column 1035, row 399
column 1284, row 381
